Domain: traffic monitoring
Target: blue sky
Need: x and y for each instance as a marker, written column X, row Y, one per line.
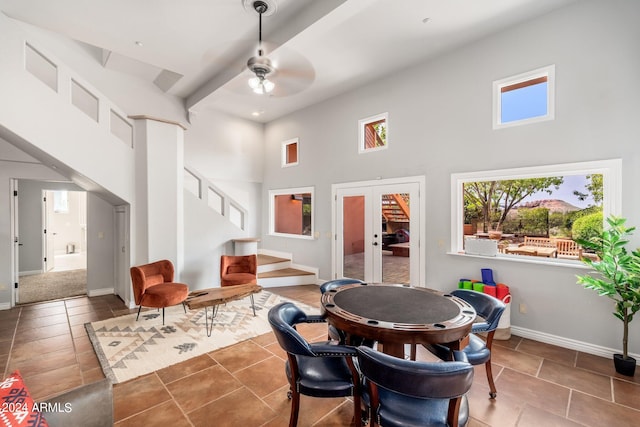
column 524, row 103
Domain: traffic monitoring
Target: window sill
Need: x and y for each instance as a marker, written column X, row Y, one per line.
column 555, row 262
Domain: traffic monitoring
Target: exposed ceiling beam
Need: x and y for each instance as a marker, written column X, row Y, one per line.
column 309, row 15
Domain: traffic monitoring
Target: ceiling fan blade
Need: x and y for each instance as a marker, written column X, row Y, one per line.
column 293, row 73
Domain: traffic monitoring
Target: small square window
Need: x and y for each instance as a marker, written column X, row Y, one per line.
column 525, row 98
column 290, row 152
column 373, row 133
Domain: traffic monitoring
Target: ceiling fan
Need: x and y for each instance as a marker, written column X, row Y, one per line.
column 260, row 65
column 284, row 72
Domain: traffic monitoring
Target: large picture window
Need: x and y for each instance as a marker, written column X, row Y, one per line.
column 534, row 213
column 291, row 212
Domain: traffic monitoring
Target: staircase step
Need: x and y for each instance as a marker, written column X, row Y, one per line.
column 284, row 272
column 268, row 263
column 286, row 277
column 268, row 259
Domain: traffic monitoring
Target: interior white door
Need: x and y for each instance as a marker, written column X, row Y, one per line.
column 48, row 235
column 122, row 254
column 366, row 233
column 15, row 252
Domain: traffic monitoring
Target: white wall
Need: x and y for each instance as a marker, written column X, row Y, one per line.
column 101, row 240
column 207, row 236
column 229, row 152
column 45, row 121
column 224, row 147
column 440, row 116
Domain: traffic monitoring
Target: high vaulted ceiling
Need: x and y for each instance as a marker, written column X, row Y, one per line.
column 198, row 49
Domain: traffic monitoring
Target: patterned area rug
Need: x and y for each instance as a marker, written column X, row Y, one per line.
column 128, row 348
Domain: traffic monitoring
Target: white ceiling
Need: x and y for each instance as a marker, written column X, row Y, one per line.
column 197, row 49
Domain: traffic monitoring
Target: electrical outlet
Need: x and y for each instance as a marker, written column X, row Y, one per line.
column 523, row 308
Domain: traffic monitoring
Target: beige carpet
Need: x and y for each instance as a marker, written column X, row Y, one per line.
column 49, row 286
column 127, row 348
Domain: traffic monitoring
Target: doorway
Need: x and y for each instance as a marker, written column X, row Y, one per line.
column 53, row 249
column 64, row 225
column 378, row 228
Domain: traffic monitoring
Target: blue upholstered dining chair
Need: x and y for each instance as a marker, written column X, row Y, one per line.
column 408, row 393
column 478, row 350
column 314, row 369
column 334, row 333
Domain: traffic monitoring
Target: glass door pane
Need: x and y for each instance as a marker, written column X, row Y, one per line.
column 353, row 237
column 395, row 232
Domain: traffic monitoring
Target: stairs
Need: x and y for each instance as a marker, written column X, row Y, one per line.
column 395, row 208
column 278, row 270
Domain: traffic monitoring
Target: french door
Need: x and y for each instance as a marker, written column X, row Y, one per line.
column 378, row 233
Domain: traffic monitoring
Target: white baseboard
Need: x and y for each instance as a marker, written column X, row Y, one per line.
column 29, row 273
column 306, row 268
column 99, row 292
column 5, row 306
column 569, row 343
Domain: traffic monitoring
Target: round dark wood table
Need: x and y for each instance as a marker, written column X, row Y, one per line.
column 395, row 315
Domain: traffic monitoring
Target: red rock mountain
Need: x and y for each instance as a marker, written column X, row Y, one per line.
column 554, row 205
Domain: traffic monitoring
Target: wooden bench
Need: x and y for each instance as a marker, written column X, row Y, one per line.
column 542, row 246
column 535, row 246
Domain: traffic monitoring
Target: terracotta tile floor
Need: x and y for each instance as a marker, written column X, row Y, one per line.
column 245, row 385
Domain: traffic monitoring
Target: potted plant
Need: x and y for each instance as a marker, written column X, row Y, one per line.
column 618, row 277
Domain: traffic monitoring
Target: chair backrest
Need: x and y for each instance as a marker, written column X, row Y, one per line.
column 148, row 275
column 425, row 380
column 282, row 318
column 542, row 242
column 488, row 307
column 333, row 284
column 568, row 248
column 230, row 264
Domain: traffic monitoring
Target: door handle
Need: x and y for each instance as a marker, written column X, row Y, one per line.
column 375, row 243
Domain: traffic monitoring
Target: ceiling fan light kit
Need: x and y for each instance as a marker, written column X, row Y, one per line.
column 260, row 65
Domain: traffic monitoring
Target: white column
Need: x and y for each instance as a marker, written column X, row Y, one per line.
column 159, row 191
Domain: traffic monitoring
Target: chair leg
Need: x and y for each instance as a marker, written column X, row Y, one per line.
column 357, row 410
column 493, row 393
column 184, row 306
column 412, row 355
column 253, row 305
column 162, row 316
column 139, row 308
column 489, row 342
column 295, row 408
